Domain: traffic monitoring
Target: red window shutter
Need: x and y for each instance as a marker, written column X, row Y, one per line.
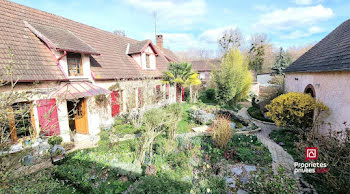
column 115, row 103
column 182, row 93
column 48, row 118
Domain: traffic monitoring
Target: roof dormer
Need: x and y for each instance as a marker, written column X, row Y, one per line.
column 144, row 53
column 72, row 53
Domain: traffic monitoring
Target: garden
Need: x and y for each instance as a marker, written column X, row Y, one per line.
column 158, row 160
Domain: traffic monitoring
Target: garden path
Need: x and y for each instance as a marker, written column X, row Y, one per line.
column 278, row 154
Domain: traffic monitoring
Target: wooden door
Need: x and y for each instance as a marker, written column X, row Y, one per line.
column 81, row 120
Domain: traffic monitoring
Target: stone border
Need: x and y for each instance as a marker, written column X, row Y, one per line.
column 257, row 120
column 249, row 131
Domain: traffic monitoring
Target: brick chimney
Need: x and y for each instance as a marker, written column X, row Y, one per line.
column 159, row 40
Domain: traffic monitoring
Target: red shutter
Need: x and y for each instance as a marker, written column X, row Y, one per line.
column 115, row 103
column 182, row 93
column 48, row 118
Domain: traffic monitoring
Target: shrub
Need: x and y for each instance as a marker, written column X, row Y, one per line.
column 295, row 109
column 268, row 182
column 162, row 183
column 256, row 113
column 232, row 78
column 55, row 140
column 68, row 145
column 333, row 149
column 221, row 132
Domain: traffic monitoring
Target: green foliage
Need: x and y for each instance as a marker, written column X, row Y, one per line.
column 271, row 183
column 256, row 59
column 256, row 113
column 55, row 140
column 178, row 160
column 182, row 74
column 283, row 60
column 208, row 95
column 221, row 131
column 295, row 109
column 210, row 184
column 232, row 78
column 122, row 128
column 38, row 182
column 105, row 142
column 162, row 183
column 250, row 150
column 175, row 114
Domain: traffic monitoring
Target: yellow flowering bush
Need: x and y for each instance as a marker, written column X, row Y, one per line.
column 295, row 109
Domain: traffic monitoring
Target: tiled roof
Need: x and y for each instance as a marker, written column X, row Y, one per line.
column 60, row 39
column 34, row 61
column 331, row 54
column 169, row 54
column 75, row 90
column 137, row 46
column 204, row 65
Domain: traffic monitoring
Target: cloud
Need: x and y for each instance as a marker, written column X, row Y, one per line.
column 212, row 35
column 293, row 17
column 302, row 34
column 303, row 2
column 306, row 2
column 173, row 12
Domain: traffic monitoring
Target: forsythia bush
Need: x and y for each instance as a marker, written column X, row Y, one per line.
column 222, row 131
column 295, row 109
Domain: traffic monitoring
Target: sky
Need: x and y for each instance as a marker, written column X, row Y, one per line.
column 188, row 24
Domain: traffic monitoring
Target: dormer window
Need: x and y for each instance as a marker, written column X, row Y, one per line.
column 148, row 63
column 75, row 66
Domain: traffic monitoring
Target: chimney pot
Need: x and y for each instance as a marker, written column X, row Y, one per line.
column 159, row 40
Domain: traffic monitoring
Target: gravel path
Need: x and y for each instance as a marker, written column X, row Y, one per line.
column 278, row 154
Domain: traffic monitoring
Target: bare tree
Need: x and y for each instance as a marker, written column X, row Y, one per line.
column 119, row 32
column 295, row 52
column 231, row 38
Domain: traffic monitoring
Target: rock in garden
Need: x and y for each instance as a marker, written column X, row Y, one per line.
column 249, row 168
column 243, row 180
column 151, row 170
column 28, row 160
column 240, row 191
column 230, row 182
column 123, row 179
column 236, row 170
column 16, row 148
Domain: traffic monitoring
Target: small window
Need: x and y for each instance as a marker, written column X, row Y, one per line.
column 167, row 91
column 148, row 63
column 158, row 93
column 75, row 67
column 21, row 120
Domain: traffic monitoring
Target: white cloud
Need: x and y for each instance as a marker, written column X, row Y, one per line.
column 212, row 35
column 173, row 12
column 307, row 2
column 302, row 34
column 293, row 17
column 303, row 2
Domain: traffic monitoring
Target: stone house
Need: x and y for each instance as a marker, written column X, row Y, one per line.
column 323, row 72
column 82, row 76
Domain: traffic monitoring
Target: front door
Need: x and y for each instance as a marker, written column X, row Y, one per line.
column 80, row 117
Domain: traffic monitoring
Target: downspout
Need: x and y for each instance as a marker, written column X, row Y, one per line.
column 59, row 64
